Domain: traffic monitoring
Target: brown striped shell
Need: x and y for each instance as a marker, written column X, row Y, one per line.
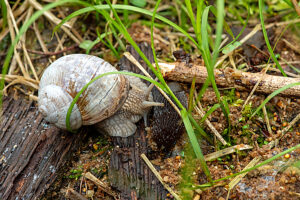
column 65, row 77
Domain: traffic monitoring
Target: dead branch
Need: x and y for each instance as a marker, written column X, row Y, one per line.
column 229, row 77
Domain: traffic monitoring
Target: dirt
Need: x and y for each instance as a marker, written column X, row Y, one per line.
column 279, row 179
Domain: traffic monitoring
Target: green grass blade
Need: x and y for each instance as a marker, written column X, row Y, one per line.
column 273, row 95
column 261, row 6
column 4, row 14
column 220, row 20
column 209, row 112
column 191, row 96
column 199, row 129
column 118, row 23
column 200, row 5
column 192, row 17
column 195, row 144
column 129, row 8
column 240, row 33
column 152, row 40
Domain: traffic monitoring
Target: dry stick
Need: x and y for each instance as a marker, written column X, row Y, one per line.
column 229, row 150
column 71, row 23
column 134, row 61
column 29, row 13
column 292, row 46
column 102, row 185
column 53, row 53
column 19, row 81
column 6, row 30
column 263, row 73
column 228, row 77
column 232, row 61
column 12, row 36
column 48, row 14
column 13, row 64
column 9, row 77
column 297, row 8
column 267, row 120
column 277, row 70
column 19, row 11
column 60, row 42
column 147, row 161
column 23, row 39
column 72, row 194
column 40, row 39
column 294, row 121
column 253, row 32
column 56, row 21
column 201, row 112
column 276, row 141
column 238, row 178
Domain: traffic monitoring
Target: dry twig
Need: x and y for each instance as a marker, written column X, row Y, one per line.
column 228, row 77
column 147, row 161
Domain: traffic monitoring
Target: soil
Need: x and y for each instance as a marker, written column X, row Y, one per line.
column 279, row 179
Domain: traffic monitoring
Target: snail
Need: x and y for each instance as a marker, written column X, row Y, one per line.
column 113, row 103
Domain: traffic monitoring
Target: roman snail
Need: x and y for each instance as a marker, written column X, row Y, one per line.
column 113, row 103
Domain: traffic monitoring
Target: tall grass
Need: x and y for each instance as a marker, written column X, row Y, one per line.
column 208, row 48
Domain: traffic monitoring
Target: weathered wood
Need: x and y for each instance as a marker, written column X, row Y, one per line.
column 128, row 173
column 31, row 151
column 228, row 77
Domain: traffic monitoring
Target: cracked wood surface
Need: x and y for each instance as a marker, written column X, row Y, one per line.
column 31, row 151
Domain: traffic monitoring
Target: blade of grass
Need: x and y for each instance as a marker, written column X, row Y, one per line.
column 208, row 113
column 190, row 13
column 209, row 60
column 4, row 14
column 195, row 144
column 152, row 39
column 118, row 23
column 199, row 129
column 191, row 96
column 261, row 6
column 240, row 33
column 129, row 8
column 200, row 5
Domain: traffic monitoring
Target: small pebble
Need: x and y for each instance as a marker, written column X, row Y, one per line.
column 287, row 156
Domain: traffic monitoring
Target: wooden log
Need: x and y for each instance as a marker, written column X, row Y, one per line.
column 229, row 77
column 128, row 173
column 31, row 151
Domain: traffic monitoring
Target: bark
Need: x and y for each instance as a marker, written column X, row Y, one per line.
column 32, row 152
column 128, row 173
column 228, row 77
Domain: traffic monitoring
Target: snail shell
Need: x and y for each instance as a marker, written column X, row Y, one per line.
column 65, row 77
column 113, row 102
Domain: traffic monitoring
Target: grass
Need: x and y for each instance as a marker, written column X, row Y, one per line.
column 195, row 12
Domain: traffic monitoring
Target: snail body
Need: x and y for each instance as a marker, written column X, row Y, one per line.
column 112, row 103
